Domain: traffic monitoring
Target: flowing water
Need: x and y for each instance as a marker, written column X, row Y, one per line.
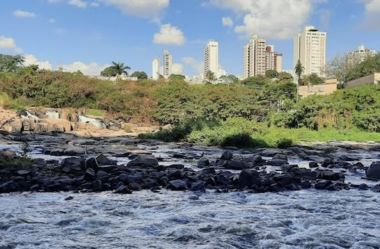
column 292, row 219
column 298, row 219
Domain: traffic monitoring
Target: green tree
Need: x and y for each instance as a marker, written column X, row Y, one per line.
column 271, row 74
column 210, row 76
column 9, row 63
column 176, row 77
column 118, row 69
column 108, row 72
column 299, row 69
column 255, row 81
column 140, row 75
column 314, row 79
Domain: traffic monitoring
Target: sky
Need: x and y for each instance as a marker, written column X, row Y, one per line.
column 88, row 35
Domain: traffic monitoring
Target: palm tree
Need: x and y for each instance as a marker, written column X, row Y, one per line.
column 120, row 68
column 299, row 69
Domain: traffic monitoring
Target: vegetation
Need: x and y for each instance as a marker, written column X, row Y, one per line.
column 257, row 111
column 116, row 69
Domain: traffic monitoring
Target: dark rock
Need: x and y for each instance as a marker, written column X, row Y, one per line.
column 278, row 162
column 134, row 186
column 89, row 174
column 97, row 185
column 143, row 161
column 123, row 190
column 177, row 185
column 376, row 188
column 227, row 155
column 235, row 165
column 249, row 178
column 327, row 163
column 313, row 165
column 92, row 163
column 322, row 184
column 198, row 186
column 203, row 162
column 373, row 171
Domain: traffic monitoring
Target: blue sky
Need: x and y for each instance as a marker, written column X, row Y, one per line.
column 88, row 35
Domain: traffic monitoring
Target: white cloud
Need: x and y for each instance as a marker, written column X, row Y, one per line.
column 372, row 15
column 274, row 19
column 78, row 3
column 32, row 60
column 87, row 69
column 21, row 13
column 227, row 21
column 9, row 43
column 169, row 35
column 141, row 8
column 197, row 65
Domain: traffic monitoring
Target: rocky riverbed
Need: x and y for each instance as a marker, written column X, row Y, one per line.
column 124, row 164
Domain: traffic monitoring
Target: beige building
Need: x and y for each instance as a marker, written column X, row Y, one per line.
column 211, row 58
column 310, row 49
column 330, row 86
column 372, row 79
column 168, row 62
column 260, row 57
column 361, row 54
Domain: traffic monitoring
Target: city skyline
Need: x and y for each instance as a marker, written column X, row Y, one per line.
column 88, row 35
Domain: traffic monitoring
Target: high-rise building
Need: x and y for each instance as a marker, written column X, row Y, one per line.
column 310, row 49
column 167, row 64
column 211, row 58
column 259, row 57
column 361, row 54
column 155, row 69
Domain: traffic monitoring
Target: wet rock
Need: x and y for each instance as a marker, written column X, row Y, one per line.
column 373, row 171
column 143, row 161
column 177, row 185
column 249, row 178
column 123, row 190
column 235, row 165
column 198, row 186
column 97, row 185
column 227, row 155
column 313, row 165
column 203, row 162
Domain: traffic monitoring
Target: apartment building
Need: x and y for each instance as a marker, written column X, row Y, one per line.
column 211, row 58
column 310, row 49
column 260, row 57
column 167, row 64
column 361, row 54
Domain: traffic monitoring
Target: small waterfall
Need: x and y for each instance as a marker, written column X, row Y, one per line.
column 98, row 123
column 53, row 114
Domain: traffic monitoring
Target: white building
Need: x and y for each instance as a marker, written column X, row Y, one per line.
column 211, row 58
column 310, row 49
column 168, row 62
column 260, row 57
column 155, row 69
column 361, row 54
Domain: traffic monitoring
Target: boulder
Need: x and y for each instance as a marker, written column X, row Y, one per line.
column 249, row 178
column 373, row 171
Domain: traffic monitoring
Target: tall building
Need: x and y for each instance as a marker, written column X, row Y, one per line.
column 310, row 49
column 211, row 58
column 260, row 57
column 155, row 69
column 168, row 62
column 361, row 54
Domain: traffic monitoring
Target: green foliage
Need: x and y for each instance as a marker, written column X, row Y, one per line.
column 210, row 76
column 140, row 75
column 256, row 82
column 299, row 69
column 109, row 72
column 94, row 112
column 18, row 162
column 176, row 77
column 271, row 74
column 313, row 79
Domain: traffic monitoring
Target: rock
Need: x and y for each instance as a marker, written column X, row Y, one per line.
column 177, row 185
column 89, row 174
column 203, row 162
column 235, row 165
column 123, row 190
column 373, row 171
column 227, row 155
column 143, row 161
column 198, row 186
column 97, row 185
column 249, row 178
